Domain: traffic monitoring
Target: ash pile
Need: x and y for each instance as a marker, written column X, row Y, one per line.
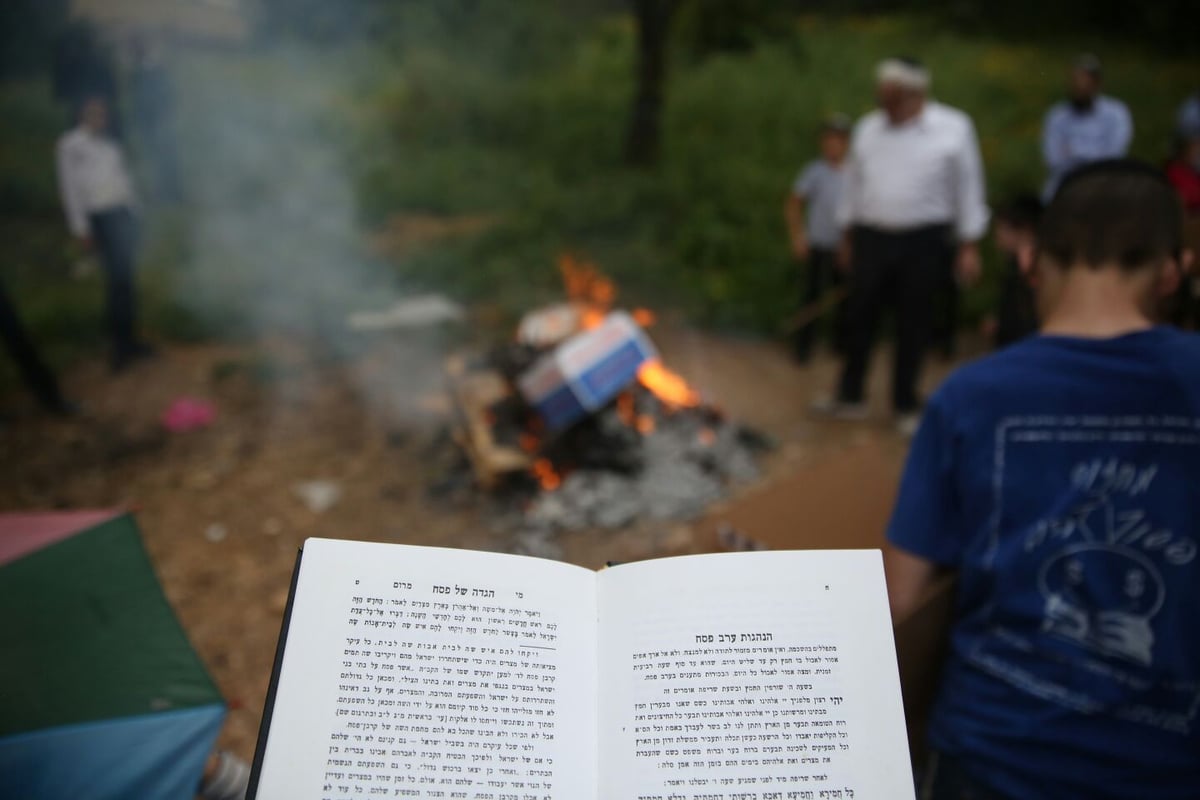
column 613, row 474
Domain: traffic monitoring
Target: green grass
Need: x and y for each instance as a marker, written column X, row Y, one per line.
column 519, row 115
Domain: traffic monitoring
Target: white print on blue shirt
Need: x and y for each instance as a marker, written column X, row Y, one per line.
column 1112, row 539
column 1105, row 563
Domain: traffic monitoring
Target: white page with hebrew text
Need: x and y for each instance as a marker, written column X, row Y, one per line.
column 425, row 672
column 750, row 675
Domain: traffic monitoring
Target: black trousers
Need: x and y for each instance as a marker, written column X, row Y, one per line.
column 945, row 313
column 36, row 374
column 903, row 271
column 822, row 275
column 115, row 234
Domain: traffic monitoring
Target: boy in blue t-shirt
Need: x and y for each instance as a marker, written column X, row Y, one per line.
column 1060, row 480
column 810, row 211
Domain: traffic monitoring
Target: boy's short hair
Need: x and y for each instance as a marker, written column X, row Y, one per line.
column 837, row 122
column 1116, row 211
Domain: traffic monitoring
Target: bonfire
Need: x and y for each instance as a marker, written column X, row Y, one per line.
column 581, row 407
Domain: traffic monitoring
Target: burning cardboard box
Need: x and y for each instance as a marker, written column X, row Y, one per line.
column 587, row 371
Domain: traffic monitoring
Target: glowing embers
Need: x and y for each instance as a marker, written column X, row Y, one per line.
column 545, row 474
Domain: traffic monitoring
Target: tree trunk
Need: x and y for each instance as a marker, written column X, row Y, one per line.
column 653, row 19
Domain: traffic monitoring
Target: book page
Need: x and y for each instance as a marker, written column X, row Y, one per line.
column 425, row 672
column 750, row 676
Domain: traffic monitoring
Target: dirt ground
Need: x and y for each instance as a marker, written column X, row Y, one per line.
column 218, row 509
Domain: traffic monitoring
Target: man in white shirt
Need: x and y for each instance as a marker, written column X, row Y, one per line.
column 1087, row 126
column 98, row 199
column 912, row 209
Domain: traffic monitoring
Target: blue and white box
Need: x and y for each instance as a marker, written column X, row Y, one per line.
column 587, row 371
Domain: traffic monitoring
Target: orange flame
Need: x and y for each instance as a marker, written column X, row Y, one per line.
column 645, row 424
column 668, row 386
column 590, row 317
column 588, row 288
column 644, row 317
column 547, row 477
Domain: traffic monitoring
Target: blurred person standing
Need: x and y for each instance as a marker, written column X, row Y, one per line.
column 810, row 212
column 912, row 209
column 37, row 376
column 1056, row 480
column 1015, row 232
column 1183, row 171
column 98, row 199
column 1087, row 126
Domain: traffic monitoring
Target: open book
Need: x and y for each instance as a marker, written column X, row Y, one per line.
column 434, row 673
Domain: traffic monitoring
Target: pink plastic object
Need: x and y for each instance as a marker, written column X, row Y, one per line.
column 188, row 414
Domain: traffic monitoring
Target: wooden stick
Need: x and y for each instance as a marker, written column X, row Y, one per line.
column 815, row 309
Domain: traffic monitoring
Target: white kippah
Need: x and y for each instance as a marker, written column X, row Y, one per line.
column 902, row 73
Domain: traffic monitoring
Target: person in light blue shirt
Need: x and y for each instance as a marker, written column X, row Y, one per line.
column 1087, row 126
column 810, row 211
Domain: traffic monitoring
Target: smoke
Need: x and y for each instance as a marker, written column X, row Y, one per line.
column 272, row 209
column 275, row 247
